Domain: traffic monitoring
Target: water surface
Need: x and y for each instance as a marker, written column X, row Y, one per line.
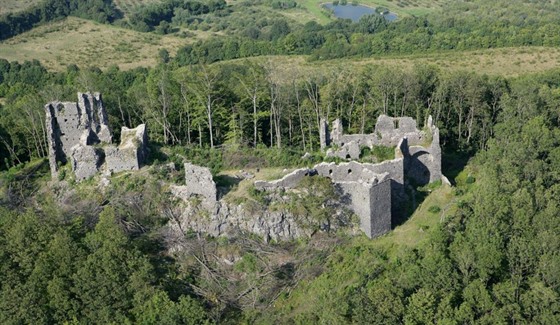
column 355, row 12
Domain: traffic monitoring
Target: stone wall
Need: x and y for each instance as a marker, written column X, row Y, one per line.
column 198, row 183
column 422, row 153
column 78, row 132
column 131, row 152
column 362, row 188
column 290, row 180
column 70, row 123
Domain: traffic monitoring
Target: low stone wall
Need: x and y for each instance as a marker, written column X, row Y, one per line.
column 290, row 180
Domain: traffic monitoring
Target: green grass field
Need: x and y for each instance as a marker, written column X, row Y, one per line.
column 506, row 62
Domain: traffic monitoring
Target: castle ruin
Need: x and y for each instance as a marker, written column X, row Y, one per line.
column 78, row 133
column 375, row 192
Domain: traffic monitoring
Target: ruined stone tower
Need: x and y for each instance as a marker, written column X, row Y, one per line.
column 79, row 133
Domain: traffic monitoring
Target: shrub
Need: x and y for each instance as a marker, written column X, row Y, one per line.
column 434, row 209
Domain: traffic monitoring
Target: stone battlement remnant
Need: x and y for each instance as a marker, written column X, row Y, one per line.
column 79, row 133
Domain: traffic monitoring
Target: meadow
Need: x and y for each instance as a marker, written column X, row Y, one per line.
column 87, row 43
column 12, row 6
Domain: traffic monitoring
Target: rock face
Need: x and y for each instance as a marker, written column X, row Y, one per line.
column 229, row 219
column 79, row 132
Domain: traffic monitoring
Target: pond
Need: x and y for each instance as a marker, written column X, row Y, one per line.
column 355, row 12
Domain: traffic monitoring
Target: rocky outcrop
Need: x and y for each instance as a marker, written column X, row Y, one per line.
column 231, row 219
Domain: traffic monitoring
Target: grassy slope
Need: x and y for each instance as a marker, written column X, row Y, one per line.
column 353, row 261
column 12, row 6
column 86, row 43
column 494, row 62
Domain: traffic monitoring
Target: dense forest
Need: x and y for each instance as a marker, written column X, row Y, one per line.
column 70, row 253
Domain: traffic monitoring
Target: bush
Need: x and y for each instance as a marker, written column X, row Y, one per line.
column 434, row 209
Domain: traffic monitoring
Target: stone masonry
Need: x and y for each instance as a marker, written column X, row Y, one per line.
column 198, row 182
column 365, row 188
column 374, row 192
column 78, row 132
column 422, row 152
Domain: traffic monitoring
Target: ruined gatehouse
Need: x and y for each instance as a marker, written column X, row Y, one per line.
column 78, row 133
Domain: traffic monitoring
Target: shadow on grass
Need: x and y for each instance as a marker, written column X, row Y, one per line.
column 453, row 163
column 225, row 184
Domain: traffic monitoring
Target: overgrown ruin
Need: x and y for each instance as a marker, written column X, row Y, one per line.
column 374, row 192
column 78, row 132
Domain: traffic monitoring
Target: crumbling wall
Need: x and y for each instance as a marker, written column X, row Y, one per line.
column 422, row 158
column 337, row 131
column 131, row 153
column 86, row 161
column 199, row 183
column 347, row 150
column 356, row 183
column 390, row 130
column 290, row 180
column 324, row 136
column 78, row 132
